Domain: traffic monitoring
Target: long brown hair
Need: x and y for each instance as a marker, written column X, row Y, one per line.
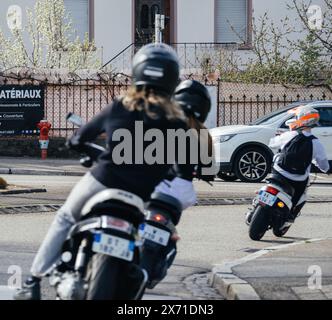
column 143, row 99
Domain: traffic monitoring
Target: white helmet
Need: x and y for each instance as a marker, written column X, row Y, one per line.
column 306, row 117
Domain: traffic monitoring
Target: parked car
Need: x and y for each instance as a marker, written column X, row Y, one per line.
column 242, row 151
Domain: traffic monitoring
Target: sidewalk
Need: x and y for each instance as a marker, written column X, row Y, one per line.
column 27, row 165
column 289, row 273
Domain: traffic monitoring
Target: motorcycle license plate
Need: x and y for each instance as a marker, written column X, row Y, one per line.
column 113, row 246
column 267, row 198
column 154, row 234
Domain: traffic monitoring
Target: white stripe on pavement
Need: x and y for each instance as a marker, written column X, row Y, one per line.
column 6, row 293
column 159, row 297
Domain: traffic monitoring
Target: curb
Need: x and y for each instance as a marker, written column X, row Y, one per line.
column 20, row 191
column 231, row 286
column 55, row 207
column 40, row 172
column 38, row 208
column 6, row 293
column 238, row 201
column 222, row 201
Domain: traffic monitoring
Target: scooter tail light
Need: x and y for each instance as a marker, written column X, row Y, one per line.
column 159, row 218
column 272, row 190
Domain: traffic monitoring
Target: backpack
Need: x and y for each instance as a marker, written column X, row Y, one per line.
column 296, row 156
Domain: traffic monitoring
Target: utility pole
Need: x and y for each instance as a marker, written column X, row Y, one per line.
column 159, row 27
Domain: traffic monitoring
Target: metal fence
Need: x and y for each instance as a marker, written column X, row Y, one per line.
column 245, row 110
column 84, row 98
column 236, row 103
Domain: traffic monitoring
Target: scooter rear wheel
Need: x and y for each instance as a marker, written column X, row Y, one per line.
column 259, row 223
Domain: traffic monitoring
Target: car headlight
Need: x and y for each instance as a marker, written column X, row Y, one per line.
column 223, row 138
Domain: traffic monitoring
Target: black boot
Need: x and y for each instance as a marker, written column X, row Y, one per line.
column 30, row 290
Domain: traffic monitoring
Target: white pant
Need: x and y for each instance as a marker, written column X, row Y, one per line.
column 181, row 189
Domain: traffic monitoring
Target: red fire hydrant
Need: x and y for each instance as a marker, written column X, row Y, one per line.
column 44, row 126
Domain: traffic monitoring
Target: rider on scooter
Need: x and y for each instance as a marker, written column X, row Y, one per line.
column 298, row 149
column 178, row 187
column 155, row 76
column 195, row 101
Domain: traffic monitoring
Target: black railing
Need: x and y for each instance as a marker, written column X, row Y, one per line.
column 88, row 97
column 244, row 110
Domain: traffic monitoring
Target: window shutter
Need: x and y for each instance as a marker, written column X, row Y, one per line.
column 231, row 13
column 79, row 13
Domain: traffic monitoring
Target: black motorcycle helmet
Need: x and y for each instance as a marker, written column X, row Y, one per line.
column 194, row 99
column 156, row 66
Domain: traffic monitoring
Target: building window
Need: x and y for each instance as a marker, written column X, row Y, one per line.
column 79, row 13
column 145, row 11
column 232, row 21
column 145, row 16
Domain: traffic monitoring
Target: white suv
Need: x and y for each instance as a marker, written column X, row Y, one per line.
column 242, row 150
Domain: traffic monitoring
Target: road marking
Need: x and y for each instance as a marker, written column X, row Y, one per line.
column 264, row 251
column 159, row 297
column 6, row 293
column 320, row 177
column 231, row 286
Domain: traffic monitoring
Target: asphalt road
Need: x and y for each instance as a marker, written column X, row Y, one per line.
column 210, row 235
column 58, row 188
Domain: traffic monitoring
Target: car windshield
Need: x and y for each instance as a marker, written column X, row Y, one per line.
column 269, row 119
column 276, row 115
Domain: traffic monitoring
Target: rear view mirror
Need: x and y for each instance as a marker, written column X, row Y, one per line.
column 74, row 119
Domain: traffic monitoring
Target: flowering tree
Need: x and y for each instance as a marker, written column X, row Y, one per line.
column 316, row 20
column 276, row 58
column 50, row 32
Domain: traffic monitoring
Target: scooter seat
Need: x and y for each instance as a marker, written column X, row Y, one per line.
column 118, row 203
column 283, row 183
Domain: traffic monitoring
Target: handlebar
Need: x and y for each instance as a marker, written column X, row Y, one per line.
column 93, row 151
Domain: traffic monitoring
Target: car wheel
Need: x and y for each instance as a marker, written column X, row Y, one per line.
column 252, row 164
column 227, row 176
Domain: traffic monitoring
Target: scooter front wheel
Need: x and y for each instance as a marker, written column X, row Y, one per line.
column 259, row 223
column 104, row 277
